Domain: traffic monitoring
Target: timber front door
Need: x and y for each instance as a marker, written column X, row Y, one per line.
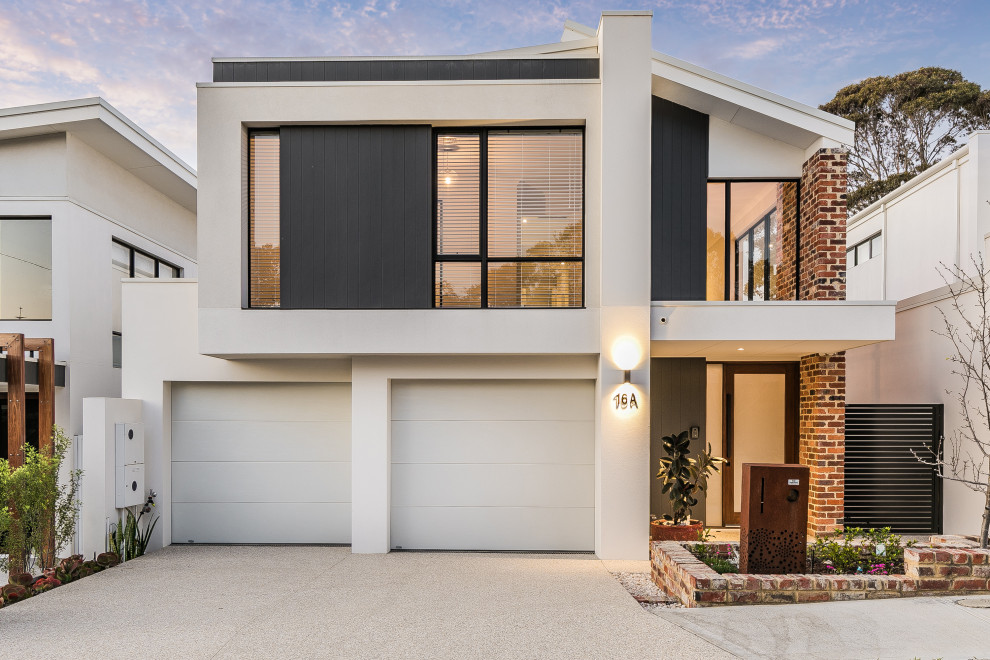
column 759, row 423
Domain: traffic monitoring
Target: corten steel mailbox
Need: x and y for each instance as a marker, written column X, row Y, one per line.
column 773, row 522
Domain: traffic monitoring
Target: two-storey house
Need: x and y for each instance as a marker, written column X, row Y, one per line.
column 454, row 302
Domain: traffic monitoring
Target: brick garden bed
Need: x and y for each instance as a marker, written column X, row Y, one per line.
column 927, row 572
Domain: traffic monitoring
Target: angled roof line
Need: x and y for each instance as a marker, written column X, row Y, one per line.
column 580, row 28
column 40, row 108
column 811, row 111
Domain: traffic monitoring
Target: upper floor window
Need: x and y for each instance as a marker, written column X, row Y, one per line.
column 864, row 250
column 26, row 269
column 746, row 247
column 509, row 218
column 127, row 262
column 263, row 222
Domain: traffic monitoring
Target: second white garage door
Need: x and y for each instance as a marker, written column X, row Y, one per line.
column 493, row 465
column 261, row 463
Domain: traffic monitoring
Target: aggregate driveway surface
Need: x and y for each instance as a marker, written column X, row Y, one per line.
column 318, row 602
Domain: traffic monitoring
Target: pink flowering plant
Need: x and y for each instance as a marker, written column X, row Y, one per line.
column 855, row 550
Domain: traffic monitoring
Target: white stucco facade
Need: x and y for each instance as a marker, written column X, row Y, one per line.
column 98, row 177
column 203, row 331
column 940, row 217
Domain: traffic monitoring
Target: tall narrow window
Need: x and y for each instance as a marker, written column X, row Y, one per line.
column 510, row 219
column 263, row 209
column 747, row 255
column 26, row 269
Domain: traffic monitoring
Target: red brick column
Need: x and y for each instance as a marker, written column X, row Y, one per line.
column 823, row 226
column 822, row 425
column 822, row 440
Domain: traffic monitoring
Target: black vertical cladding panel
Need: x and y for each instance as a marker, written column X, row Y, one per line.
column 679, row 189
column 391, row 262
column 678, row 402
column 356, row 217
column 351, row 203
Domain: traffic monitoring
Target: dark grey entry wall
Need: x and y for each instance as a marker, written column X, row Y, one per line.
column 679, row 202
column 356, row 217
column 678, row 393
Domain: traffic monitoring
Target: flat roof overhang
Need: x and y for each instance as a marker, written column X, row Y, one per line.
column 766, row 331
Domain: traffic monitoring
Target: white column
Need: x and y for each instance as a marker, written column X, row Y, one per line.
column 623, row 436
column 370, row 456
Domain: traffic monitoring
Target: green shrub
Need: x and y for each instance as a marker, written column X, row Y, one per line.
column 718, row 556
column 127, row 539
column 46, row 509
column 877, row 552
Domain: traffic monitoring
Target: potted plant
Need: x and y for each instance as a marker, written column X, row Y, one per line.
column 682, row 477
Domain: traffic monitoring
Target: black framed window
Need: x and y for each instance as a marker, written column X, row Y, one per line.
column 126, row 261
column 864, row 250
column 264, row 219
column 747, row 252
column 509, row 218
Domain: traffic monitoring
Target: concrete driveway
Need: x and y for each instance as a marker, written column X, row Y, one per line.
column 901, row 629
column 314, row 602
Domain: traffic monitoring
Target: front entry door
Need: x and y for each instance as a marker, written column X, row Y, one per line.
column 759, row 423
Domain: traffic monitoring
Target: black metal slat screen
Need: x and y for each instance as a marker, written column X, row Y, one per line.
column 885, row 484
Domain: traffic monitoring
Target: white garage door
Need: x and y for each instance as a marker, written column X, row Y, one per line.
column 493, row 465
column 261, row 463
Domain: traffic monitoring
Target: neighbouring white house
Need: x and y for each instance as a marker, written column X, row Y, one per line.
column 898, row 250
column 87, row 199
column 453, row 302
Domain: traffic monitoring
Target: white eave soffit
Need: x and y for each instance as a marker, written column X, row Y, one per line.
column 744, row 105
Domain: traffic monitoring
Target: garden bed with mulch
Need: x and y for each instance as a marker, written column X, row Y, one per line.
column 25, row 585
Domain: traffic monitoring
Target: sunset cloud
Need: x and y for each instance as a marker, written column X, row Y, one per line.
column 145, row 57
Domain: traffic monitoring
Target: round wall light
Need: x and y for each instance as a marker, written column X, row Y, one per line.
column 626, row 354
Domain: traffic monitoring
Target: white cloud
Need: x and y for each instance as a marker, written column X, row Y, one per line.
column 756, row 49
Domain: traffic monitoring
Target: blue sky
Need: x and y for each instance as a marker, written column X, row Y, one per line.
column 145, row 57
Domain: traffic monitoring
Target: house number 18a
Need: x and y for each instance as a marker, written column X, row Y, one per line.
column 624, row 401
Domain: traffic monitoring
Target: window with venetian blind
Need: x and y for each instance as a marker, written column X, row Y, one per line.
column 263, row 210
column 509, row 218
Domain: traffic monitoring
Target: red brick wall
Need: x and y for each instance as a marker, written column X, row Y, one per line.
column 823, row 226
column 784, row 282
column 822, row 438
column 822, row 425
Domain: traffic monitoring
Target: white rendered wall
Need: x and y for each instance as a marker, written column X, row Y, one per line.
column 101, row 184
column 940, row 217
column 82, row 304
column 90, row 200
column 97, row 487
column 163, row 349
column 226, row 108
column 623, row 437
column 736, row 152
column 914, row 369
column 33, row 167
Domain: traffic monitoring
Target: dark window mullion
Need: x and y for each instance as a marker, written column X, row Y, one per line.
column 483, row 213
column 751, row 267
column 730, row 274
column 130, row 258
column 766, row 257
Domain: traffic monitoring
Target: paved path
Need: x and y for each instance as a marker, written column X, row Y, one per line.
column 907, row 628
column 292, row 602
